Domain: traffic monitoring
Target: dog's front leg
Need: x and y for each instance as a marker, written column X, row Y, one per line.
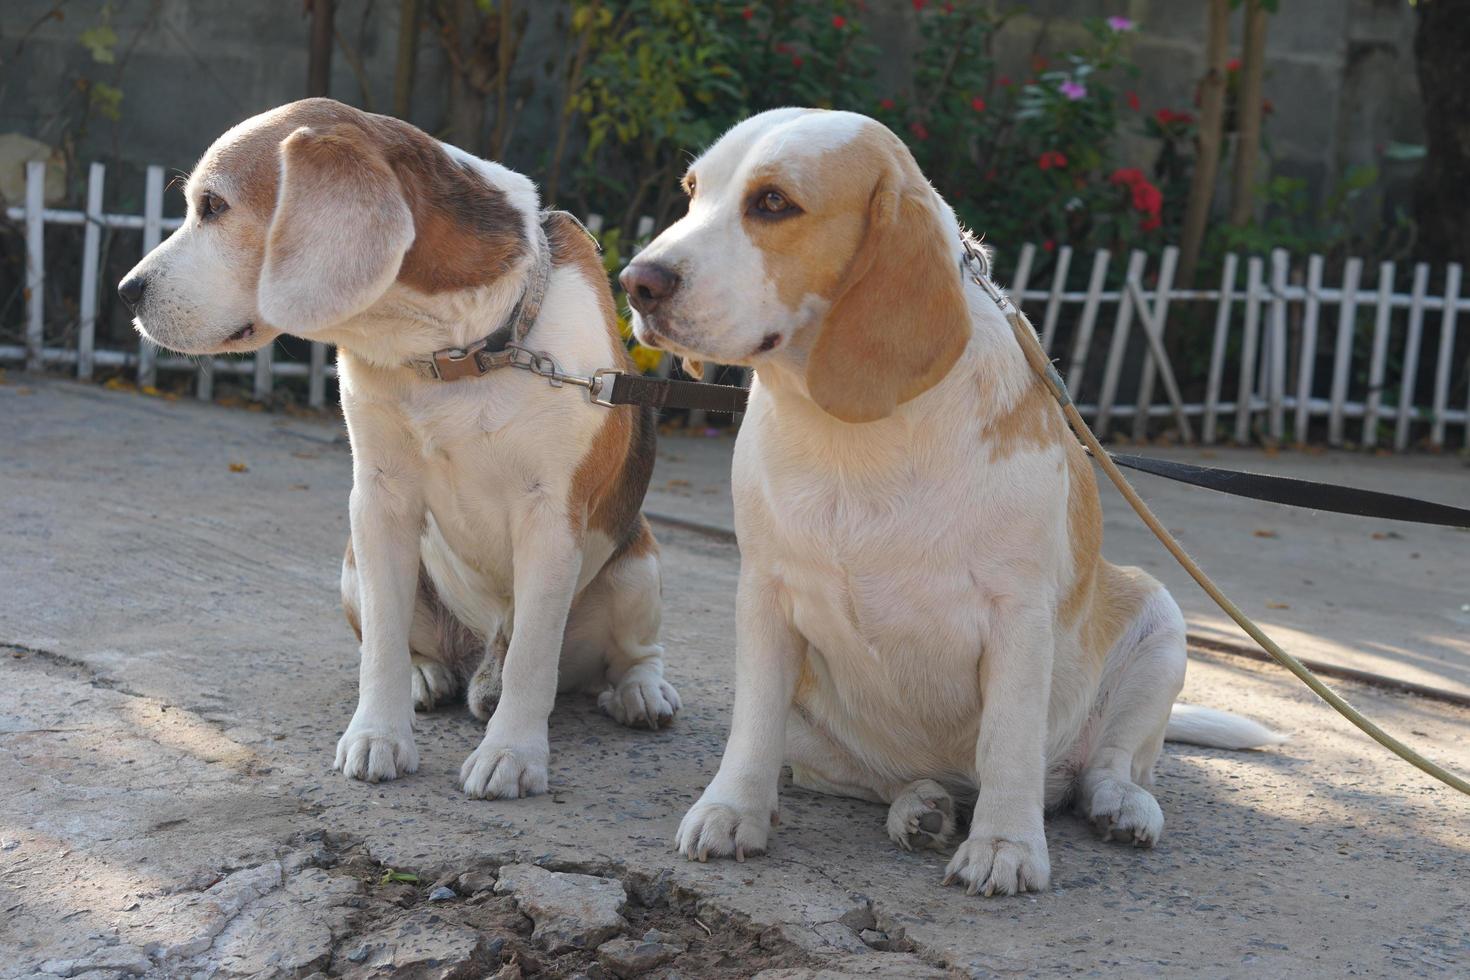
column 387, row 514
column 735, row 813
column 511, row 761
column 1006, row 850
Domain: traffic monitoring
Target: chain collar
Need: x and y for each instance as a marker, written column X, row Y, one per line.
column 494, row 350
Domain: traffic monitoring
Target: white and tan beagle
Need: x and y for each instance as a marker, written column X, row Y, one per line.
column 497, row 540
column 923, row 607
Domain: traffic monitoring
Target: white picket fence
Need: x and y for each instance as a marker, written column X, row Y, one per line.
column 1279, row 314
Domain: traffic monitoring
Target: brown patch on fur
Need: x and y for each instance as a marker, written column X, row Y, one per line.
column 1032, row 422
column 1102, row 596
column 611, row 479
column 902, row 321
column 466, row 233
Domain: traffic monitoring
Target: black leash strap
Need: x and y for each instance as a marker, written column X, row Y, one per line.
column 1301, row 493
column 633, row 389
column 629, row 389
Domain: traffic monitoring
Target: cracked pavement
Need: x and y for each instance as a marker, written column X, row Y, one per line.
column 177, row 672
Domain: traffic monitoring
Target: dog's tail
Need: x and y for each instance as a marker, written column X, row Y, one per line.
column 1217, row 729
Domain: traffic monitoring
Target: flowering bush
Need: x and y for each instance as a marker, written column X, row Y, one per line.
column 1030, row 159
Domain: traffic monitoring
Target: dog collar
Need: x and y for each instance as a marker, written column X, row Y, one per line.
column 497, row 349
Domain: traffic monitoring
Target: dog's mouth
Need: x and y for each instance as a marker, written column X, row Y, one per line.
column 241, row 335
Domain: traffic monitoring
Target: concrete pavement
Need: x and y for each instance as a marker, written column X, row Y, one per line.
column 177, row 673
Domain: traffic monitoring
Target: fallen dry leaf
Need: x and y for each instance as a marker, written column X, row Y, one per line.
column 239, row 468
column 1271, row 604
column 1261, row 532
column 304, row 454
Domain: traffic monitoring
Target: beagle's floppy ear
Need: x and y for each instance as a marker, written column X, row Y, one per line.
column 339, row 233
column 902, row 321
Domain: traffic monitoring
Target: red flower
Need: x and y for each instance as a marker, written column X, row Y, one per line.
column 1050, row 159
column 1167, row 117
column 978, row 104
column 797, row 61
column 949, row 8
column 1233, row 64
column 781, row 47
column 1128, row 176
column 991, row 174
column 1048, row 245
column 1147, row 198
column 748, row 13
column 920, row 4
column 1004, row 81
column 1133, row 101
column 885, row 103
column 1039, row 62
column 1267, row 107
column 919, row 130
column 839, row 22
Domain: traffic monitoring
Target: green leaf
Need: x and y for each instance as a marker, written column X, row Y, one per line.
column 101, row 41
column 406, row 877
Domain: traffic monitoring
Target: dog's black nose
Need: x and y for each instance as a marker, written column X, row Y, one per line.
column 648, row 284
column 131, row 290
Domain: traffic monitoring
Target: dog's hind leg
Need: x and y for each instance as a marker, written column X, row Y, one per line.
column 629, row 594
column 439, row 644
column 921, row 813
column 483, row 691
column 1141, row 679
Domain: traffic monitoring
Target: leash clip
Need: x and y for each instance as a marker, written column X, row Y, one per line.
column 540, row 363
column 977, row 264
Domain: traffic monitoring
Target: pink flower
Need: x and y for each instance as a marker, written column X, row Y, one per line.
column 978, row 104
column 1073, row 90
column 1120, row 24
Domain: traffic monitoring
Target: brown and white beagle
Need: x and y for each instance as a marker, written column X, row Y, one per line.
column 497, row 540
column 923, row 607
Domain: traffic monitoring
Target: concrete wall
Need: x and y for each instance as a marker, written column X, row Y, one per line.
column 1340, row 72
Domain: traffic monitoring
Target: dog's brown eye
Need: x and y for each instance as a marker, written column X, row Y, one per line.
column 772, row 202
column 211, row 206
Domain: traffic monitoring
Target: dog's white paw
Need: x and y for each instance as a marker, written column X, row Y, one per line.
column 1124, row 811
column 921, row 816
column 642, row 699
column 375, row 752
column 497, row 771
column 988, row 864
column 433, row 684
column 719, row 826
